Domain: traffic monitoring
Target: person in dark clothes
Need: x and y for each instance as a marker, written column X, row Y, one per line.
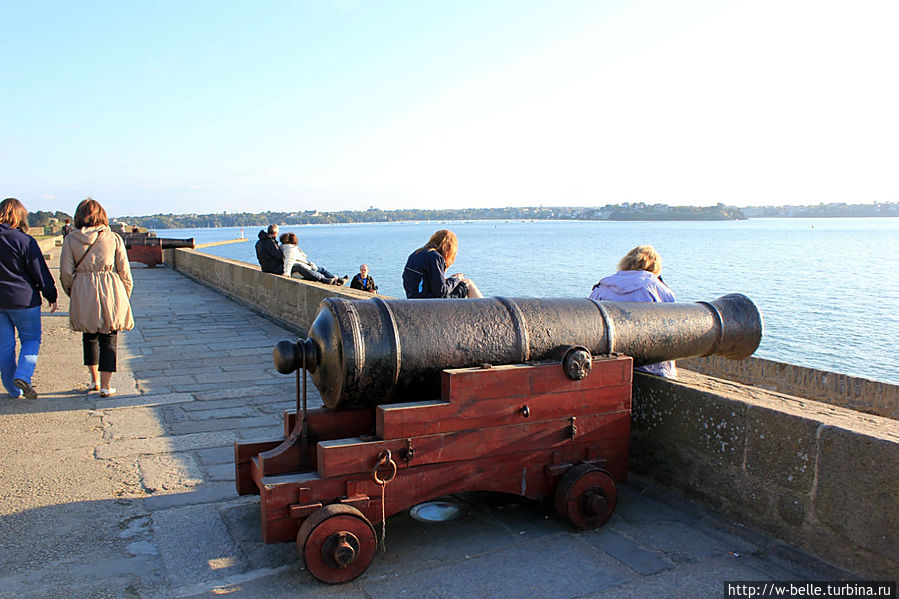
column 425, row 273
column 24, row 278
column 364, row 281
column 268, row 252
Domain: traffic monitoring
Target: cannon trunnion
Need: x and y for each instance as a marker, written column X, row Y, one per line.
column 529, row 397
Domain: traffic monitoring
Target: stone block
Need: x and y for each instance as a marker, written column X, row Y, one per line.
column 628, row 553
column 543, row 567
column 792, row 508
column 146, row 400
column 225, row 425
column 118, row 449
column 780, row 448
column 263, row 433
column 244, row 394
column 682, row 415
column 169, row 472
column 654, row 504
column 203, row 405
column 136, row 423
column 192, row 388
column 700, row 579
column 286, row 292
column 216, row 455
column 234, row 376
column 858, row 489
column 207, row 493
column 217, row 413
column 665, row 461
column 677, row 541
column 735, row 493
column 212, row 556
column 220, row 472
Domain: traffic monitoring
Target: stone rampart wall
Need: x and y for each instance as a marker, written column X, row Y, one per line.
column 856, row 393
column 294, row 302
column 47, row 243
column 819, row 476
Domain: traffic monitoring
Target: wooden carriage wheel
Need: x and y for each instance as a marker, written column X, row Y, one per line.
column 337, row 543
column 586, row 495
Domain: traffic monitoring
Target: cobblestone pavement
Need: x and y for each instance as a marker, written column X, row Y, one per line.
column 133, row 496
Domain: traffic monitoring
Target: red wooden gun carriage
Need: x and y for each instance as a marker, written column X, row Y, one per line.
column 426, row 398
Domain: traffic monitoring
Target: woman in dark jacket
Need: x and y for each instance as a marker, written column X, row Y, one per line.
column 24, row 277
column 425, row 273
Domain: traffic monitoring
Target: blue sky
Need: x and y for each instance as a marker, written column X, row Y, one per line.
column 330, row 105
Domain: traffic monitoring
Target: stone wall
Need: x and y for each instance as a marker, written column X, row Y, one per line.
column 856, row 393
column 821, row 477
column 293, row 302
column 48, row 243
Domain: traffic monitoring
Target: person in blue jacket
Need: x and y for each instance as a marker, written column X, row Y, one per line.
column 24, row 277
column 638, row 280
column 425, row 273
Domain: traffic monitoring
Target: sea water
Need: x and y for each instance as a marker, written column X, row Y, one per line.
column 828, row 288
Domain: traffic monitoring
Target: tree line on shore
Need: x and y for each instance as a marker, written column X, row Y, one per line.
column 614, row 212
column 376, row 215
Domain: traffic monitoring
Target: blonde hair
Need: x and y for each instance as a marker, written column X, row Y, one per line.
column 90, row 213
column 13, row 213
column 642, row 257
column 445, row 242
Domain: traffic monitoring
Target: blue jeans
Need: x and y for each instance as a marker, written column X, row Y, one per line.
column 320, row 274
column 28, row 322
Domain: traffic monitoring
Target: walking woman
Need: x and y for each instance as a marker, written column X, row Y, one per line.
column 94, row 272
column 24, row 277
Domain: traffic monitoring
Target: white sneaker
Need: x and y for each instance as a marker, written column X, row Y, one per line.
column 107, row 392
column 93, row 387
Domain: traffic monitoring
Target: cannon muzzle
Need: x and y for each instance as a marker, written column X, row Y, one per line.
column 365, row 352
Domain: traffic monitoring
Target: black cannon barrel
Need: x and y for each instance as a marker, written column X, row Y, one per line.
column 166, row 243
column 363, row 352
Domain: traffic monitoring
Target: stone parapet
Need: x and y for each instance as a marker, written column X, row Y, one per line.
column 819, row 476
column 856, row 393
column 47, row 243
column 292, row 302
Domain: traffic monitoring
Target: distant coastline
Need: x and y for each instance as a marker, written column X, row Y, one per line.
column 637, row 211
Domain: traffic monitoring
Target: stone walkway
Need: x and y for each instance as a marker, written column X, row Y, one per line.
column 134, row 496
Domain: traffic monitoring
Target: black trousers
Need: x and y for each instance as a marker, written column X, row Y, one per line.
column 99, row 348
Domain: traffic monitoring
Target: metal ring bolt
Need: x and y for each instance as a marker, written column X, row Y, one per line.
column 384, row 459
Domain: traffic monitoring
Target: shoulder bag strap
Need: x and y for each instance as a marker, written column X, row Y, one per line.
column 87, row 251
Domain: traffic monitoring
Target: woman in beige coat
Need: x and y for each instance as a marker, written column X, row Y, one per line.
column 94, row 272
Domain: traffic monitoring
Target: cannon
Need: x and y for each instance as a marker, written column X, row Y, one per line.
column 426, row 398
column 147, row 248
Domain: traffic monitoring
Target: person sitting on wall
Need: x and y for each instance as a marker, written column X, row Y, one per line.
column 296, row 261
column 425, row 273
column 67, row 228
column 364, row 281
column 638, row 280
column 268, row 253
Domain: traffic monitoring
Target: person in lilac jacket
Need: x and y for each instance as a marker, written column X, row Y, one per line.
column 638, row 280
